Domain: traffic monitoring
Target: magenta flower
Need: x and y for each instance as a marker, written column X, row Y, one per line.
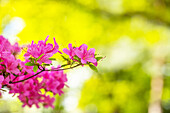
column 70, row 52
column 6, row 46
column 48, row 101
column 55, row 82
column 35, row 50
column 81, row 52
column 86, row 55
column 15, row 49
column 11, row 64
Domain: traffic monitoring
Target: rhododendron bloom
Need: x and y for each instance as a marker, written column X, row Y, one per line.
column 82, row 53
column 15, row 49
column 11, row 64
column 86, row 55
column 46, row 50
column 70, row 52
column 55, row 82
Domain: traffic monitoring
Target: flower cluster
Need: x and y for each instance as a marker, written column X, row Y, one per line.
column 31, row 80
column 30, row 91
column 8, row 62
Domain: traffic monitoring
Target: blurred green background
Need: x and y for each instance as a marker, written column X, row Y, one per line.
column 134, row 35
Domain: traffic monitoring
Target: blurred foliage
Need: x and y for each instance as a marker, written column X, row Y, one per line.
column 124, row 90
column 127, row 32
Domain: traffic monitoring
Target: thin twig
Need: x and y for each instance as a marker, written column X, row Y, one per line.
column 64, row 69
column 11, row 82
column 42, row 70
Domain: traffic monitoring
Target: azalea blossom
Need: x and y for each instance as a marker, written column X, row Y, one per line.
column 86, row 55
column 71, row 51
column 82, row 53
column 46, row 50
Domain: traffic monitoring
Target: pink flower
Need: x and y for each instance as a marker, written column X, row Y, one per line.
column 55, row 82
column 70, row 52
column 6, row 46
column 48, row 101
column 11, row 64
column 35, row 50
column 15, row 49
column 86, row 55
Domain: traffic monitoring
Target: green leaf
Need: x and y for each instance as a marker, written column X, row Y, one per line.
column 64, row 65
column 1, row 60
column 39, row 57
column 76, row 58
column 15, row 75
column 3, row 65
column 64, row 57
column 46, row 64
column 93, row 67
column 52, row 59
column 98, row 58
column 35, row 68
column 32, row 59
column 29, row 64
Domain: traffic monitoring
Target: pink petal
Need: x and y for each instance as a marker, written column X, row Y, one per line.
column 83, row 47
column 16, row 71
column 46, row 39
column 1, row 79
column 91, row 51
column 55, row 49
column 70, row 46
column 56, row 45
column 79, row 53
column 66, row 51
column 93, row 60
column 32, row 43
column 48, row 61
column 83, row 61
column 26, row 55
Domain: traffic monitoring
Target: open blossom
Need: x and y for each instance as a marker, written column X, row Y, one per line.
column 15, row 49
column 82, row 53
column 11, row 64
column 55, row 82
column 48, row 101
column 86, row 55
column 70, row 52
column 5, row 46
column 47, row 50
